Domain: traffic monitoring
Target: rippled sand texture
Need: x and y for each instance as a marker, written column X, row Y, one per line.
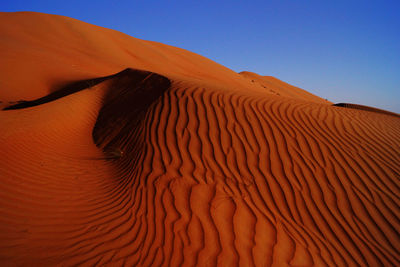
column 160, row 157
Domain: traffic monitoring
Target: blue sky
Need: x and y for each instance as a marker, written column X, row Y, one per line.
column 345, row 51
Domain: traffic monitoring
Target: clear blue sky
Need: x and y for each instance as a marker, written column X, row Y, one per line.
column 345, row 51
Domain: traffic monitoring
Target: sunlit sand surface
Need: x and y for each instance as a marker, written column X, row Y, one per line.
column 118, row 151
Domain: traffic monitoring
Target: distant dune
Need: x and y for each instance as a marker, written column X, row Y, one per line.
column 118, row 151
column 361, row 107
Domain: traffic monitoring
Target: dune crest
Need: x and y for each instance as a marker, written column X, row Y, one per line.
column 367, row 108
column 277, row 87
column 156, row 156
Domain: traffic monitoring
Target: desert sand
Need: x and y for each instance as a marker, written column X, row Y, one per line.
column 118, row 151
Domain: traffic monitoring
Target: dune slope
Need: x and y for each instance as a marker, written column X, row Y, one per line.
column 172, row 159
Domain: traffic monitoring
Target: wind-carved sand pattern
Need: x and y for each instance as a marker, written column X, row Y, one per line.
column 147, row 168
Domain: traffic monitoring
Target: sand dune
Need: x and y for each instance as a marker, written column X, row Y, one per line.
column 280, row 88
column 367, row 108
column 130, row 152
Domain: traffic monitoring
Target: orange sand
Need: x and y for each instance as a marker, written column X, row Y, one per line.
column 180, row 161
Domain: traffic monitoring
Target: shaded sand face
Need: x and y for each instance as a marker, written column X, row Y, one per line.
column 185, row 164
